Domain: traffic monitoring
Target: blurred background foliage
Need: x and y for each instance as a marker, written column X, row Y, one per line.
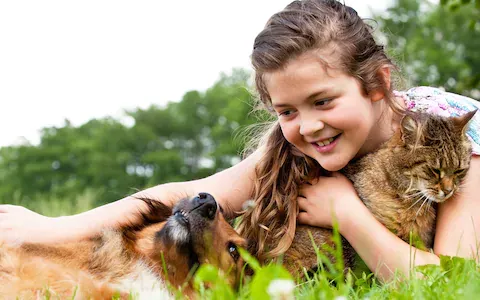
column 75, row 168
column 435, row 44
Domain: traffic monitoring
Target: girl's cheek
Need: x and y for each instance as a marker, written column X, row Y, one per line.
column 290, row 133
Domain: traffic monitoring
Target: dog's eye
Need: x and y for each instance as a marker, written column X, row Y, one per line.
column 232, row 249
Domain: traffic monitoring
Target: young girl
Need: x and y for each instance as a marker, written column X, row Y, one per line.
column 319, row 70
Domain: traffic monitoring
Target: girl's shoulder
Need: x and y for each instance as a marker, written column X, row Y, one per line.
column 436, row 101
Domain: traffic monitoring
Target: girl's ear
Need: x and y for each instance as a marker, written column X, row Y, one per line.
column 384, row 75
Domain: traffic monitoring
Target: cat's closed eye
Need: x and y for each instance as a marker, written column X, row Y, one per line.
column 437, row 172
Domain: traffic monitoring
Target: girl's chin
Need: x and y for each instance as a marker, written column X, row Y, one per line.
column 332, row 166
column 334, row 169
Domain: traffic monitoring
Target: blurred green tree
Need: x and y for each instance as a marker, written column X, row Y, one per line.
column 183, row 140
column 433, row 45
column 202, row 133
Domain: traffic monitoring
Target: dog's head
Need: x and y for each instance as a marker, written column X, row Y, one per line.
column 194, row 233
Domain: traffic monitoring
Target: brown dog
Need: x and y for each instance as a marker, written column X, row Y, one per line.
column 135, row 260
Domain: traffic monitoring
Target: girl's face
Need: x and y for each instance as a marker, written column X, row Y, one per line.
column 323, row 112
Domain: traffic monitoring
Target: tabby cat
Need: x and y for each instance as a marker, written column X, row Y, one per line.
column 422, row 165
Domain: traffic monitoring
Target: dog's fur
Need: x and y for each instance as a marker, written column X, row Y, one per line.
column 139, row 260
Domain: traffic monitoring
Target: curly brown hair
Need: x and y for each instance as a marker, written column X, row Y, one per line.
column 301, row 27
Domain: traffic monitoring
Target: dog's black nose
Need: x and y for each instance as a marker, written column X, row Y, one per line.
column 207, row 206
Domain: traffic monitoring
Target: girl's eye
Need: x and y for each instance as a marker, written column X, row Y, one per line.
column 285, row 113
column 322, row 102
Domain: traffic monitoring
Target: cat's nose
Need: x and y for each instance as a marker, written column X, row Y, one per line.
column 447, row 190
column 447, row 185
column 447, row 193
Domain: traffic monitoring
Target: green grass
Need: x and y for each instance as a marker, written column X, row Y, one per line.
column 454, row 278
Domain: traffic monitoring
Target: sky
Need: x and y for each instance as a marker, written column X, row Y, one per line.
column 79, row 60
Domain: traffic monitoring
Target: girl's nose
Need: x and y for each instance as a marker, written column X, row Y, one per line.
column 310, row 127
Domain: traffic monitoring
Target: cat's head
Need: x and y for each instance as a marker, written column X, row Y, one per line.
column 437, row 154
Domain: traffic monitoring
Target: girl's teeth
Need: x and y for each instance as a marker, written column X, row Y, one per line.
column 326, row 142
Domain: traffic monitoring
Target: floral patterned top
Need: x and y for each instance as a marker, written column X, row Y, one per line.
column 436, row 101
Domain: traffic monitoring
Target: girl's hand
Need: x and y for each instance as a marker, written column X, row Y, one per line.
column 330, row 196
column 19, row 224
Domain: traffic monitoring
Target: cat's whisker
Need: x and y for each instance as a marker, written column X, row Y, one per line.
column 418, row 211
column 417, row 197
column 414, row 192
column 421, row 198
column 418, row 200
column 410, row 185
column 426, row 199
column 429, row 203
column 413, row 195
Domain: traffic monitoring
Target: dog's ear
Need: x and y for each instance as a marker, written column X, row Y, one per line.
column 155, row 212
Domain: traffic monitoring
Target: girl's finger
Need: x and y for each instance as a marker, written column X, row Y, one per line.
column 304, row 190
column 304, row 218
column 302, row 203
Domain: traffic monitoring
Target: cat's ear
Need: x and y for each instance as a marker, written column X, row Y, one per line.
column 462, row 121
column 410, row 129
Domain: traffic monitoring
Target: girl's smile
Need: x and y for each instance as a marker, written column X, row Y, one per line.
column 326, row 145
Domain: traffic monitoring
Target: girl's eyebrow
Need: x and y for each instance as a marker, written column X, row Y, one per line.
column 309, row 98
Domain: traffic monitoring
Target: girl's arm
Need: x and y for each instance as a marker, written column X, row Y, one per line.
column 383, row 252
column 231, row 187
column 458, row 219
